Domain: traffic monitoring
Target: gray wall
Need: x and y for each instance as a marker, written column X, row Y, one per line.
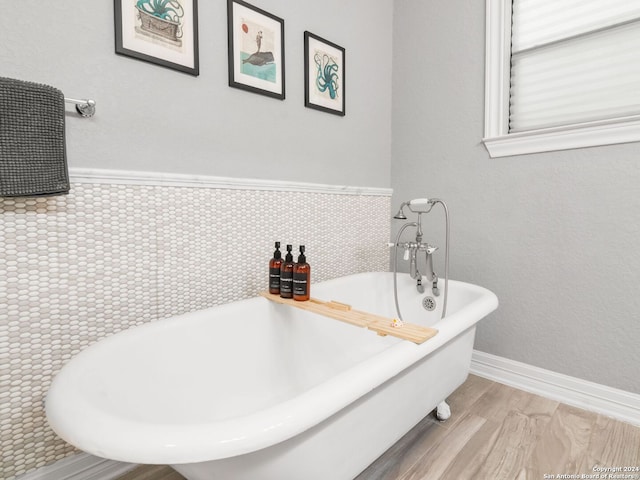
column 556, row 236
column 154, row 119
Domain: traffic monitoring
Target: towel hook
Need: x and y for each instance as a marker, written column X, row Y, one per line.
column 86, row 108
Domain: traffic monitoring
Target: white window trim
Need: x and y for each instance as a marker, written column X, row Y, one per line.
column 497, row 139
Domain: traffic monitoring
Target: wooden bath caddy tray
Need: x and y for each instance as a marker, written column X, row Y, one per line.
column 344, row 313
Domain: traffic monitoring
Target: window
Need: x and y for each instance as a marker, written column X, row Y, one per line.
column 561, row 75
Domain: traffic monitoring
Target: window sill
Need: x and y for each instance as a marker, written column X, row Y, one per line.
column 496, row 139
column 592, row 134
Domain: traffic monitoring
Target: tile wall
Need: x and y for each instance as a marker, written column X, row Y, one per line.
column 106, row 257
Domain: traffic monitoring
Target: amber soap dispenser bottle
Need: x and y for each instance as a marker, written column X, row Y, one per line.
column 301, row 277
column 274, row 270
column 286, row 275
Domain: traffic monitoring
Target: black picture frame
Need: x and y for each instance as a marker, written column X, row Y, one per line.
column 171, row 42
column 324, row 75
column 250, row 30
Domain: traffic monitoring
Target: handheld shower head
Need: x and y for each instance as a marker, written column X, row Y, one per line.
column 400, row 215
column 420, row 205
column 417, row 205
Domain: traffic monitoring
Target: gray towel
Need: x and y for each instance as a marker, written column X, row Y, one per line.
column 33, row 159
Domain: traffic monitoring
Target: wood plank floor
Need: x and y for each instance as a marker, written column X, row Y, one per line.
column 495, row 433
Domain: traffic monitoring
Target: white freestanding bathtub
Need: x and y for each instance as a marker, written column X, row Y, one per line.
column 254, row 390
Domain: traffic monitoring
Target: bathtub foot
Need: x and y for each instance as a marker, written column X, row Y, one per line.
column 443, row 411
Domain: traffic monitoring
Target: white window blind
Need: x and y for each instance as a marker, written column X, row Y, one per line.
column 573, row 61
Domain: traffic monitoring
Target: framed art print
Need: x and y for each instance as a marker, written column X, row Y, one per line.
column 256, row 50
column 324, row 75
column 164, row 32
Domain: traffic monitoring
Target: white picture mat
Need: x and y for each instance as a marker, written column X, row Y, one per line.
column 316, row 97
column 241, row 13
column 132, row 40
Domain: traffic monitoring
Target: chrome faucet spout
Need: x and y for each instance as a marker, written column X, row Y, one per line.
column 413, row 264
column 430, row 273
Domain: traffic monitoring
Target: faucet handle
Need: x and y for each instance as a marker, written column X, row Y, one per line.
column 407, row 248
column 428, row 249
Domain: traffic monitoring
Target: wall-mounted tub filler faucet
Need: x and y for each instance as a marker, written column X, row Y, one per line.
column 412, row 250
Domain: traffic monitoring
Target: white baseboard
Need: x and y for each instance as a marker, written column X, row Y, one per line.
column 81, row 466
column 573, row 391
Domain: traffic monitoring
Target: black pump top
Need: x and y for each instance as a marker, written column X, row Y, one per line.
column 277, row 253
column 301, row 257
column 289, row 257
